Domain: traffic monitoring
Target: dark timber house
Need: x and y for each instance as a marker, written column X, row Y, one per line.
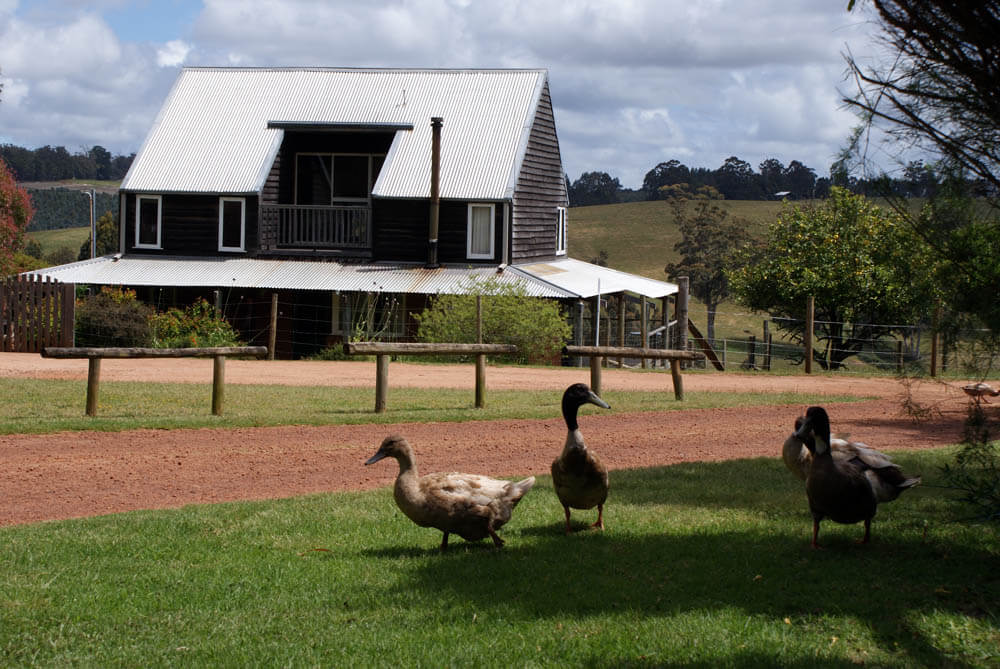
column 342, row 191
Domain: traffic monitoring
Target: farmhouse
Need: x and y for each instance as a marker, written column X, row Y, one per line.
column 348, row 195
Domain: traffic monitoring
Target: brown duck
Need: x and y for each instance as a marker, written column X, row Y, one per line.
column 578, row 475
column 472, row 506
column 846, row 489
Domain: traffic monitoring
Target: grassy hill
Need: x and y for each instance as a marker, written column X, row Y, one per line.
column 51, row 240
column 639, row 237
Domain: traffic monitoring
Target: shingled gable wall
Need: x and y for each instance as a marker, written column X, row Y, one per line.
column 541, row 187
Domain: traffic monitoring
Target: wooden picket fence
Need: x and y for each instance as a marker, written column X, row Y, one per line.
column 35, row 313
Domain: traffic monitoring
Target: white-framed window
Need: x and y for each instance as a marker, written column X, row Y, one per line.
column 232, row 223
column 480, row 236
column 148, row 221
column 561, row 230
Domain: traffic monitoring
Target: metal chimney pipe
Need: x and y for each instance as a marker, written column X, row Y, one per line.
column 432, row 241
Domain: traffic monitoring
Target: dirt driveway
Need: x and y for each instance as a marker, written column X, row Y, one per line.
column 65, row 475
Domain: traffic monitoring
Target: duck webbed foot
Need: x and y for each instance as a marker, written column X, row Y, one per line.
column 868, row 532
column 600, row 518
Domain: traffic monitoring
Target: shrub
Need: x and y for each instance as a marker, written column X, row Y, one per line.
column 194, row 326
column 112, row 317
column 536, row 326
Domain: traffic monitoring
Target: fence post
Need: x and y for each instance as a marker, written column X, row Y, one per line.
column 683, row 287
column 93, row 384
column 272, row 338
column 218, row 383
column 381, row 382
column 810, row 310
column 67, row 313
column 935, row 321
column 595, row 373
column 643, row 326
column 752, row 352
column 480, row 357
column 621, row 327
column 675, row 372
column 899, row 356
column 767, row 350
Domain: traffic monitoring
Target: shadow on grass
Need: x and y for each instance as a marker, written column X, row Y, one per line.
column 760, row 567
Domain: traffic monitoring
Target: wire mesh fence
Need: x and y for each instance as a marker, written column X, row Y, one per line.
column 303, row 325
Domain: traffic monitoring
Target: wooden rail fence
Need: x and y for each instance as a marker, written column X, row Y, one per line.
column 35, row 313
column 95, row 355
column 597, row 353
column 382, row 351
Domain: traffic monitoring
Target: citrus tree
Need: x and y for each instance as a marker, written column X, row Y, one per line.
column 867, row 271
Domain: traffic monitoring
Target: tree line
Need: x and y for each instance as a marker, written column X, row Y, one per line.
column 57, row 208
column 736, row 179
column 55, row 163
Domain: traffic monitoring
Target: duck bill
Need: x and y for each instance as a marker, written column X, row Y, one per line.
column 375, row 458
column 804, row 431
column 594, row 399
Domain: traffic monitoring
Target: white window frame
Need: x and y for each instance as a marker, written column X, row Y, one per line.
column 492, row 234
column 561, row 230
column 243, row 223
column 159, row 220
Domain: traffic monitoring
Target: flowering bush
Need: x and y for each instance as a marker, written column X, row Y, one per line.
column 194, row 326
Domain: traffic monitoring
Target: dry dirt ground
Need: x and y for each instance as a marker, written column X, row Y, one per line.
column 74, row 474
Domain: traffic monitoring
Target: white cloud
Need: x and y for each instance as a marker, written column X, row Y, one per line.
column 172, row 53
column 634, row 82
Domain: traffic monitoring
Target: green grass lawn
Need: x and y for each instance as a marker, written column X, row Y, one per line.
column 39, row 406
column 703, row 565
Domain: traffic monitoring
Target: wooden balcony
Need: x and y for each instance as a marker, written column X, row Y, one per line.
column 291, row 227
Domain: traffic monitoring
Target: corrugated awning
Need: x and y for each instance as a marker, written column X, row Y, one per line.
column 585, row 280
column 282, row 275
column 566, row 278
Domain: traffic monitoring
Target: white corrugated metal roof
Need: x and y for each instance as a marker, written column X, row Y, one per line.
column 581, row 279
column 284, row 275
column 566, row 278
column 211, row 134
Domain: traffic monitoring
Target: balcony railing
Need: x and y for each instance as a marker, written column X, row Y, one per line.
column 318, row 227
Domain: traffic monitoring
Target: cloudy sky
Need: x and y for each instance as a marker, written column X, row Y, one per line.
column 633, row 82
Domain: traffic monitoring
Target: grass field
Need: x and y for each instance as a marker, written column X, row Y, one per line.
column 702, row 565
column 40, row 406
column 51, row 240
